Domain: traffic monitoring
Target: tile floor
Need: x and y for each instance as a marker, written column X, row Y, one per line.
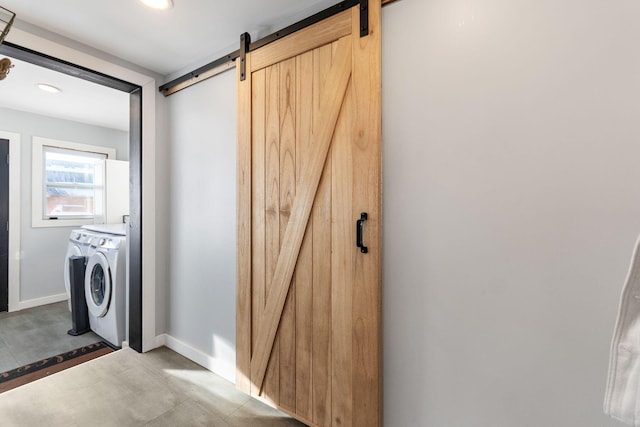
column 30, row 335
column 124, row 388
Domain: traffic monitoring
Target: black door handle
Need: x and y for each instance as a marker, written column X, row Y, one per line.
column 359, row 227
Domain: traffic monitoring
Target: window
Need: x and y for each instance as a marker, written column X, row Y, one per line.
column 69, row 183
column 65, row 182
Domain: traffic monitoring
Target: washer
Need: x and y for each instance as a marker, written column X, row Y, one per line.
column 79, row 242
column 119, row 229
column 105, row 287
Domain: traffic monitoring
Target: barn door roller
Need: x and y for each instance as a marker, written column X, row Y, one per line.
column 245, row 42
column 364, row 18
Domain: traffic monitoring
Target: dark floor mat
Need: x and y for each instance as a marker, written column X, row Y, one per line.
column 34, row 371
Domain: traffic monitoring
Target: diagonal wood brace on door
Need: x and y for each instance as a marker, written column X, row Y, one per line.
column 332, row 98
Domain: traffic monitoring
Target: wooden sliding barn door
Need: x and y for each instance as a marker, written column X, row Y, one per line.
column 308, row 313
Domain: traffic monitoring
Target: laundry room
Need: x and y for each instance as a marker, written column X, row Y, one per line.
column 68, row 140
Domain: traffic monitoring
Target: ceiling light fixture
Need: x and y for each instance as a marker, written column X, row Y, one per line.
column 158, row 4
column 6, row 21
column 48, row 88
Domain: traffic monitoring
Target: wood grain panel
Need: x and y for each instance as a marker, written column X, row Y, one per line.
column 287, row 328
column 366, row 137
column 258, row 224
column 243, row 234
column 331, row 103
column 314, row 36
column 303, row 275
column 322, row 263
column 343, row 238
column 313, row 328
column 272, row 215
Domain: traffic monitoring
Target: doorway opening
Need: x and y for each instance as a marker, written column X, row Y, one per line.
column 135, row 169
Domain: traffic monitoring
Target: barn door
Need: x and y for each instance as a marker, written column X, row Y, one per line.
column 308, row 315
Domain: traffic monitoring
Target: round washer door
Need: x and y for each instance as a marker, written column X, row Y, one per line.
column 97, row 285
column 71, row 251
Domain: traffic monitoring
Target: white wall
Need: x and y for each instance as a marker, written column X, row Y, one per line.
column 43, row 249
column 202, row 223
column 511, row 203
column 162, row 214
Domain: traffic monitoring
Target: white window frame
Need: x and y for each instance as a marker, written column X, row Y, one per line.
column 37, row 179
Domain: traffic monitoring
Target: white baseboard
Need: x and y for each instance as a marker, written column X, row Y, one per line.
column 23, row 305
column 215, row 365
column 161, row 340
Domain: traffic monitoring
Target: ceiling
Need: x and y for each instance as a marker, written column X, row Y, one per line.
column 168, row 43
column 79, row 100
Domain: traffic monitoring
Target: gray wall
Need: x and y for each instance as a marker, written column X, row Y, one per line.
column 202, row 229
column 43, row 249
column 511, row 205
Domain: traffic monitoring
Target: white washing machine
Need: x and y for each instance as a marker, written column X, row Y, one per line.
column 119, row 229
column 105, row 287
column 79, row 241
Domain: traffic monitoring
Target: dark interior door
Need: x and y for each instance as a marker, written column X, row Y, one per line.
column 4, row 225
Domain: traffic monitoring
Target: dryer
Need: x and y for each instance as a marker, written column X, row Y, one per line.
column 79, row 242
column 105, row 287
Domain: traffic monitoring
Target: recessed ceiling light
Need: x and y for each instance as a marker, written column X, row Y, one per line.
column 48, row 88
column 158, row 4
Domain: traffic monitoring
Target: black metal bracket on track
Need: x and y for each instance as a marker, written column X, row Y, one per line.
column 245, row 42
column 246, row 46
column 364, row 18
